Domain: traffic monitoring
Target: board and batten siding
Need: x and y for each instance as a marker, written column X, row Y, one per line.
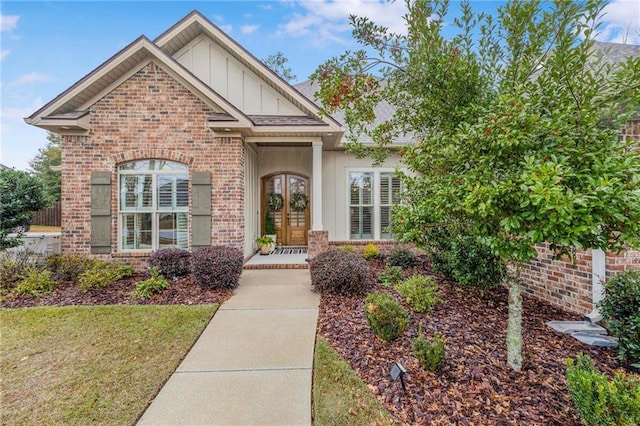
column 251, row 199
column 232, row 80
column 336, row 166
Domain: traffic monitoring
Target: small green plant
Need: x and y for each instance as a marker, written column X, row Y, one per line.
column 265, row 240
column 101, row 274
column 156, row 283
column 421, row 292
column 17, row 264
column 347, row 247
column 621, row 311
column 371, row 252
column 68, row 267
column 391, row 276
column 430, row 353
column 385, row 316
column 402, row 257
column 601, row 401
column 269, row 224
column 36, row 283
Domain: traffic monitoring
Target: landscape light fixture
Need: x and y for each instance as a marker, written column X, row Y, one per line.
column 398, row 370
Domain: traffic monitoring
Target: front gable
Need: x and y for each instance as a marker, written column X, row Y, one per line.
column 234, row 81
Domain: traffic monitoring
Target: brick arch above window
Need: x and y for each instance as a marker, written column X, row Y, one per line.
column 147, row 153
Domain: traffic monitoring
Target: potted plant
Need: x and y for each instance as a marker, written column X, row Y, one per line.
column 270, row 227
column 264, row 243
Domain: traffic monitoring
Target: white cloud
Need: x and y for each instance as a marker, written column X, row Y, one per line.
column 8, row 23
column 327, row 21
column 249, row 29
column 621, row 22
column 4, row 54
column 32, row 77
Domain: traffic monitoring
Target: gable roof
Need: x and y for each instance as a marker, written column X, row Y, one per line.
column 68, row 112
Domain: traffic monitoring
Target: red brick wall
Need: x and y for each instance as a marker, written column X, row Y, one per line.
column 561, row 282
column 150, row 115
column 568, row 285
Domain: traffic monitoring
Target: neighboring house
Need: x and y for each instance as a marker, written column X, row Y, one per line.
column 184, row 141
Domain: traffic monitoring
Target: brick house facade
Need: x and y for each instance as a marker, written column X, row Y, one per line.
column 179, row 142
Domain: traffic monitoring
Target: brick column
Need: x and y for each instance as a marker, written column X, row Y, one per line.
column 318, row 242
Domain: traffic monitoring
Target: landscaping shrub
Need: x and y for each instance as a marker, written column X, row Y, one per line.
column 463, row 259
column 601, row 401
column 430, row 353
column 421, row 292
column 68, row 267
column 385, row 316
column 371, row 252
column 102, row 274
column 36, row 283
column 391, row 275
column 402, row 257
column 217, row 267
column 474, row 265
column 339, row 272
column 347, row 247
column 17, row 264
column 171, row 263
column 155, row 284
column 438, row 247
column 620, row 309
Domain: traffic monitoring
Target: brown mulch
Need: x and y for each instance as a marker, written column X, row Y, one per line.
column 182, row 291
column 476, row 386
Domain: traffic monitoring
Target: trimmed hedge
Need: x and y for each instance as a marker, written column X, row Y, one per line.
column 217, row 267
column 339, row 272
column 171, row 263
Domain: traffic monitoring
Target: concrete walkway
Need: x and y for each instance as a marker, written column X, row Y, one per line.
column 253, row 363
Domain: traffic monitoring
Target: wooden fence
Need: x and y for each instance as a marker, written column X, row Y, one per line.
column 48, row 217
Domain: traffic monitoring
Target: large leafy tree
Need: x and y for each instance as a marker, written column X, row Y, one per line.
column 44, row 166
column 277, row 62
column 20, row 194
column 515, row 121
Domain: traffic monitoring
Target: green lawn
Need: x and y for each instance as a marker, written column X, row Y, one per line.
column 104, row 364
column 86, row 365
column 340, row 396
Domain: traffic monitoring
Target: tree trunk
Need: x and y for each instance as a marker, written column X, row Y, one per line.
column 514, row 323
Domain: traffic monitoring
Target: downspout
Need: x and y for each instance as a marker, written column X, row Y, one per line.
column 598, row 276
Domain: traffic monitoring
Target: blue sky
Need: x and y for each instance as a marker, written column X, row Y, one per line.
column 46, row 46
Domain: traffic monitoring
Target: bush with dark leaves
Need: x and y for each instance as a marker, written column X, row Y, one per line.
column 402, row 257
column 171, row 263
column 339, row 272
column 217, row 267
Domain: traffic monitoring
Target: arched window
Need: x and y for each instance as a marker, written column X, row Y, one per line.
column 153, row 205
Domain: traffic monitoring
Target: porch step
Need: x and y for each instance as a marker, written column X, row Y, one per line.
column 277, row 266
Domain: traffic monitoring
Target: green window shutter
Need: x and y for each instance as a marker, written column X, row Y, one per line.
column 101, row 212
column 201, row 209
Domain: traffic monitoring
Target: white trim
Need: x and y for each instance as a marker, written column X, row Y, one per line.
column 316, row 182
column 376, row 171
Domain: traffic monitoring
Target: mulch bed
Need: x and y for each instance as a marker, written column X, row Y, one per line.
column 476, row 386
column 182, row 291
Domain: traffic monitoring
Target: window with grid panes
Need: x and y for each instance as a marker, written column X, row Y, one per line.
column 153, row 205
column 361, row 205
column 389, row 196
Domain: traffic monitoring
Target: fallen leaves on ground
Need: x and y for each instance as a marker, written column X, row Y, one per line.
column 182, row 291
column 476, row 386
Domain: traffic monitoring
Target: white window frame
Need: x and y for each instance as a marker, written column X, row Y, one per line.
column 155, row 210
column 377, row 172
